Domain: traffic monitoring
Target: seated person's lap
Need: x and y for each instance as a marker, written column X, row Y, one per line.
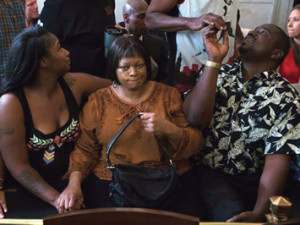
column 292, row 192
column 225, row 196
column 22, row 204
column 187, row 202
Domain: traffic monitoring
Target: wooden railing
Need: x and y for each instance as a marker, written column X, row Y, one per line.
column 40, row 222
column 22, row 221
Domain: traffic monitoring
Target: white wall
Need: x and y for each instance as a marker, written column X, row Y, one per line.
column 41, row 4
column 257, row 12
column 118, row 10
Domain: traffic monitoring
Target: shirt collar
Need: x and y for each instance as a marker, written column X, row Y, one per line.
column 268, row 74
column 140, row 37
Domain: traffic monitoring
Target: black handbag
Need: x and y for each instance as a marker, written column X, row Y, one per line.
column 138, row 185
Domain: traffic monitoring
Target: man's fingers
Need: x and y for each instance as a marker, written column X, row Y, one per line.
column 217, row 21
column 225, row 38
column 237, row 218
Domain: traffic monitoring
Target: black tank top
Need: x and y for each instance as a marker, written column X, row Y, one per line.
column 49, row 153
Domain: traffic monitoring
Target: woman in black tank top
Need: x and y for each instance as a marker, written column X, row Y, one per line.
column 39, row 121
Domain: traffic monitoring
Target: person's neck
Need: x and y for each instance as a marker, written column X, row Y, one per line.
column 250, row 69
column 132, row 96
column 297, row 42
column 29, row 22
column 131, row 33
column 45, row 84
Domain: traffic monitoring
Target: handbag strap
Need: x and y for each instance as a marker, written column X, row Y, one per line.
column 113, row 140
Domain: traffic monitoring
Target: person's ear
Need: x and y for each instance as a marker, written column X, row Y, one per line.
column 44, row 62
column 126, row 18
column 277, row 54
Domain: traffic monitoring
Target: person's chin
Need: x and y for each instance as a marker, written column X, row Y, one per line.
column 134, row 82
column 68, row 68
column 291, row 34
column 243, row 48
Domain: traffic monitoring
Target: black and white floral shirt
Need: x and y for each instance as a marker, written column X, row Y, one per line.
column 251, row 120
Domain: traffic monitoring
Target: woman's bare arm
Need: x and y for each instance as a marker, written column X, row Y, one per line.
column 14, row 150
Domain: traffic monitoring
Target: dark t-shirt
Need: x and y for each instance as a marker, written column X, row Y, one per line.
column 79, row 25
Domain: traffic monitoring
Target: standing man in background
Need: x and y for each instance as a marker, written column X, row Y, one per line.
column 194, row 15
column 11, row 23
column 79, row 26
column 31, row 13
column 134, row 12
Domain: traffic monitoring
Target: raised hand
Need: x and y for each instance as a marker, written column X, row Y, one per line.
column 205, row 20
column 216, row 50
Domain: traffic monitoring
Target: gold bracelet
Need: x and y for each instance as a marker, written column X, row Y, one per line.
column 213, row 64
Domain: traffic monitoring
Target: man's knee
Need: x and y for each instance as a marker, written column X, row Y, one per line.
column 226, row 209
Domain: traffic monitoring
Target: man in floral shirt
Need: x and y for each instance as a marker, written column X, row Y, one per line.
column 251, row 117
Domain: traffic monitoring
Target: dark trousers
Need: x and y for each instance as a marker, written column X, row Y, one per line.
column 292, row 192
column 225, row 196
column 22, row 204
column 186, row 202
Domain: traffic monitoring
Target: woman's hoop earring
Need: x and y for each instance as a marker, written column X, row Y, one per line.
column 114, row 84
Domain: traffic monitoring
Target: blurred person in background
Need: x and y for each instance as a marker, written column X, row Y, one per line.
column 31, row 13
column 290, row 68
column 79, row 25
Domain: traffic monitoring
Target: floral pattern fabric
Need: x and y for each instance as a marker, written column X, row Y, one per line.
column 251, row 119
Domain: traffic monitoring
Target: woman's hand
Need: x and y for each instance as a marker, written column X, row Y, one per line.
column 153, row 123
column 3, row 204
column 161, row 127
column 70, row 199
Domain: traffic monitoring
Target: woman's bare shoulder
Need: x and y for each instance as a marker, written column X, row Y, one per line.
column 10, row 108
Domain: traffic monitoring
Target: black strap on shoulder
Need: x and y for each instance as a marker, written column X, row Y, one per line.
column 113, row 140
column 26, row 110
column 70, row 99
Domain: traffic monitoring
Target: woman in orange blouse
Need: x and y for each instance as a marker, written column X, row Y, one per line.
column 106, row 112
